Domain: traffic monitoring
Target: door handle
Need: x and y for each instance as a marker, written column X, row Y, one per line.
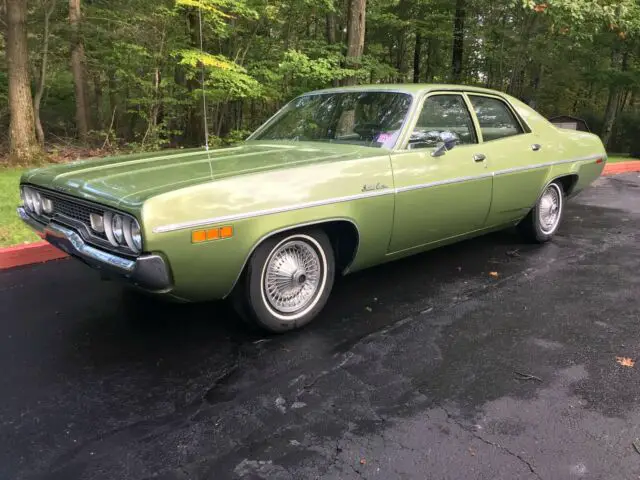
column 535, row 147
column 479, row 157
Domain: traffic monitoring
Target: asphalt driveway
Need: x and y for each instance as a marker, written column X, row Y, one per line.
column 412, row 371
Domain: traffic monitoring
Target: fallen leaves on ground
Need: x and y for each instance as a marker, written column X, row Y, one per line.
column 625, row 361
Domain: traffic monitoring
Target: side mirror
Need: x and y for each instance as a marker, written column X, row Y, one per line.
column 448, row 140
column 440, row 150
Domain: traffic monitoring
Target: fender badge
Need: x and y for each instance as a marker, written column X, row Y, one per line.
column 368, row 187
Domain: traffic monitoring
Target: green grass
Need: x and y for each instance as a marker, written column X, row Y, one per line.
column 12, row 230
column 616, row 157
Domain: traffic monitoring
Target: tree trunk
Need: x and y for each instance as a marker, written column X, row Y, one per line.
column 331, row 35
column 355, row 36
column 331, row 28
column 401, row 64
column 37, row 99
column 432, row 46
column 152, row 123
column 195, row 133
column 458, row 42
column 610, row 114
column 400, row 60
column 624, row 98
column 22, row 138
column 113, row 93
column 77, row 68
column 613, row 101
column 98, row 100
column 416, row 58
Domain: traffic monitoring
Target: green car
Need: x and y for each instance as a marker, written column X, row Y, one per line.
column 336, row 181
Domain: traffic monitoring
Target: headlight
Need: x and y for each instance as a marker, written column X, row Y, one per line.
column 97, row 222
column 108, row 229
column 117, row 228
column 136, row 235
column 37, row 202
column 132, row 235
column 122, row 231
column 28, row 198
column 47, row 205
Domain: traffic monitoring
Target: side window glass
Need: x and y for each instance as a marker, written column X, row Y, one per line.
column 495, row 118
column 441, row 117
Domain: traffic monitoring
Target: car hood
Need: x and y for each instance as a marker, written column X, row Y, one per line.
column 126, row 181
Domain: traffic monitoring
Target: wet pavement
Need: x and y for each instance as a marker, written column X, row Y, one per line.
column 412, row 370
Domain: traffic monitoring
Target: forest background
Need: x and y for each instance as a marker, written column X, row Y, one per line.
column 93, row 77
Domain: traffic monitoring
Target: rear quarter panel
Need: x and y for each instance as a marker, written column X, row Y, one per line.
column 572, row 151
column 589, row 162
column 522, row 174
column 259, row 205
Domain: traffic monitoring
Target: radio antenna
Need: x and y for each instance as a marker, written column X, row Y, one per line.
column 204, row 95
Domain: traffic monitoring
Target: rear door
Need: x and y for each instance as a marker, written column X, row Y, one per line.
column 439, row 197
column 514, row 155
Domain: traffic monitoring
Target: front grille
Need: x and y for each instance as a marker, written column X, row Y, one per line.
column 76, row 211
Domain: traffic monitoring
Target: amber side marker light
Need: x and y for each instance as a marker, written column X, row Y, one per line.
column 213, row 234
column 199, row 236
column 226, row 232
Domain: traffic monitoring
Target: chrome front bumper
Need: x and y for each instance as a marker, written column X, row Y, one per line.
column 149, row 272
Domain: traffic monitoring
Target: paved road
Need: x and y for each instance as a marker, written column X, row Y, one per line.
column 409, row 373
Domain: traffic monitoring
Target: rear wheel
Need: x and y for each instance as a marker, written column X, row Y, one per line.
column 288, row 281
column 543, row 220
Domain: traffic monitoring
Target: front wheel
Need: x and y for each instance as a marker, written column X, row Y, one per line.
column 543, row 220
column 288, row 281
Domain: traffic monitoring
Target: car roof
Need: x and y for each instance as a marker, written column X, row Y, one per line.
column 410, row 88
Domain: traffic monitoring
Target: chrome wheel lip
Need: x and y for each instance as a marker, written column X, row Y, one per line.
column 290, row 273
column 550, row 209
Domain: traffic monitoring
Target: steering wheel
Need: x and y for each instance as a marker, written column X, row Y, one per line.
column 368, row 130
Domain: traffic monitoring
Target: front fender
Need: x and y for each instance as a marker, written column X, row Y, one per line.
column 257, row 206
column 209, row 270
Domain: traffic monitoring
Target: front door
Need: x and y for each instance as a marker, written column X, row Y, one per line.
column 439, row 197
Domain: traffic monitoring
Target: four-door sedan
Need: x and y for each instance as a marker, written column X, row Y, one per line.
column 336, row 181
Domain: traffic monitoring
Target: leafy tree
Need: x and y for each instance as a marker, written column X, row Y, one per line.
column 150, row 72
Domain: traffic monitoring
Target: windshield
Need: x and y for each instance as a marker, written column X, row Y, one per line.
column 371, row 119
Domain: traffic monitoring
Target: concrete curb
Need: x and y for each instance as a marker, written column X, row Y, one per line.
column 621, row 167
column 43, row 251
column 37, row 252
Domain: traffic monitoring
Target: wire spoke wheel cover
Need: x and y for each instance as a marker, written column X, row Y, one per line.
column 550, row 208
column 294, row 277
